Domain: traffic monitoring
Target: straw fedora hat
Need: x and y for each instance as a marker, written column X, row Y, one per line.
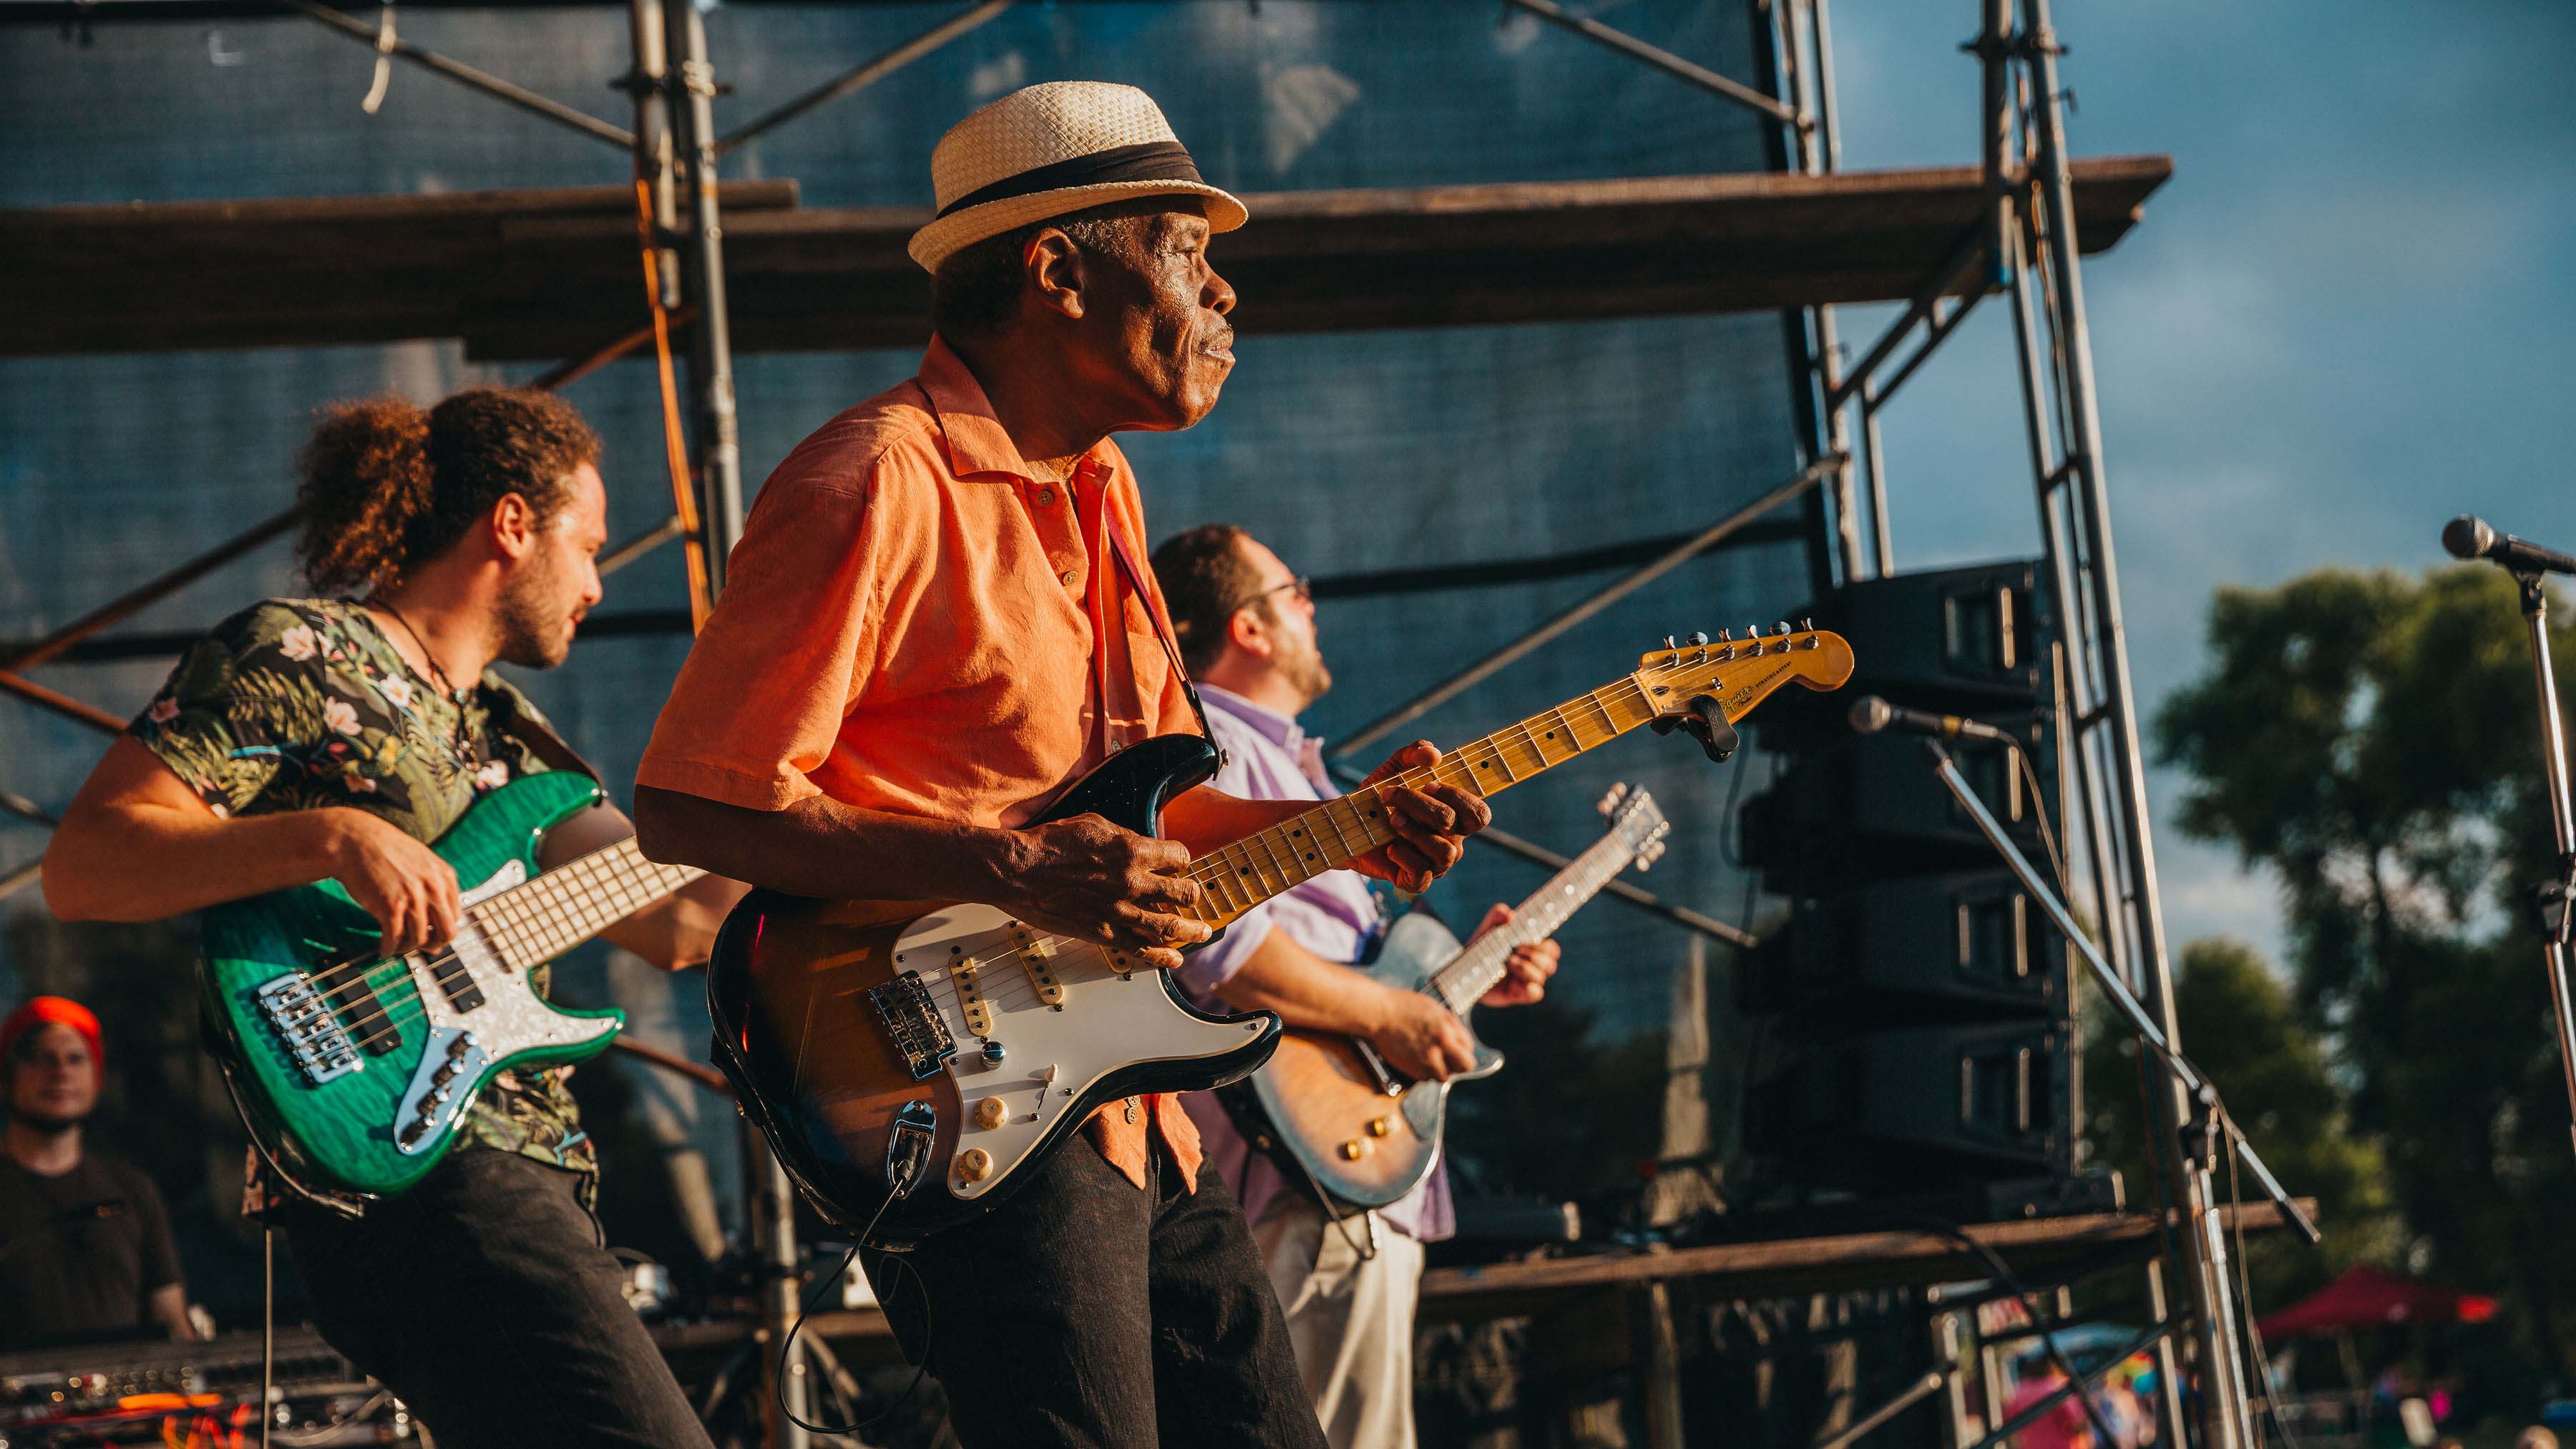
column 1050, row 150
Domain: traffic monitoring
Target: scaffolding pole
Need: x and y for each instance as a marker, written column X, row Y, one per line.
column 2092, row 623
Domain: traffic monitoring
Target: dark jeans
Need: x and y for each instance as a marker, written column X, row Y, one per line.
column 1087, row 1314
column 484, row 1300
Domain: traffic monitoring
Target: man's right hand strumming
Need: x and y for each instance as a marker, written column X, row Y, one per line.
column 1422, row 1039
column 1089, row 880
column 405, row 885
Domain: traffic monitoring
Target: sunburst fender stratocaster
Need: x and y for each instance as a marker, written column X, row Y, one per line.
column 352, row 1069
column 1353, row 1127
column 910, row 1061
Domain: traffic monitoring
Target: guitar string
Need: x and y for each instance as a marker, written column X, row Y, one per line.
column 490, row 912
column 386, row 1024
column 484, row 908
column 1523, row 732
column 371, row 1028
column 1493, row 743
column 1528, row 927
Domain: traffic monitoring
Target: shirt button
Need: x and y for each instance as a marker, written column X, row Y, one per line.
column 1046, row 498
column 1068, row 577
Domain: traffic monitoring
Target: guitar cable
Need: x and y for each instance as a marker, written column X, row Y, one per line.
column 814, row 1299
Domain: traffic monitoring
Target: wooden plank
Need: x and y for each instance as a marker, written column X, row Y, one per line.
column 1811, row 1264
column 546, row 274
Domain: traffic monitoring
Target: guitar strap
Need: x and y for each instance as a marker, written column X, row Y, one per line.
column 1135, row 574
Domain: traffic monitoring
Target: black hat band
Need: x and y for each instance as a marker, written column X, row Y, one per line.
column 1144, row 161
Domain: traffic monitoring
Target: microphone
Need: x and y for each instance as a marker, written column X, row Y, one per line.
column 2468, row 537
column 1870, row 714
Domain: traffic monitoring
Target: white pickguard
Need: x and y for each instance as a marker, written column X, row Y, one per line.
column 511, row 1019
column 1052, row 1055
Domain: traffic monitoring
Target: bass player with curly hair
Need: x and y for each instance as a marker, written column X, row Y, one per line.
column 334, row 738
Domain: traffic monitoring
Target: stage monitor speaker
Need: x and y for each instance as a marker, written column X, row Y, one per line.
column 1960, row 640
column 1911, row 1108
column 1911, row 949
column 1869, row 806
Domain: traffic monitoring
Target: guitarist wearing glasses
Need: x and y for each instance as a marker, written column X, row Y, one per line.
column 939, row 617
column 333, row 738
column 1247, row 629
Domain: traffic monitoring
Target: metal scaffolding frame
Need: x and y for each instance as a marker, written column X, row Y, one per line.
column 2027, row 250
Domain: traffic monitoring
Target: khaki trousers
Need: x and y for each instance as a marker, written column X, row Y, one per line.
column 1350, row 1318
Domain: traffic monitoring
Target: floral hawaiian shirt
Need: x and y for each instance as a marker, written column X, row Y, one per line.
column 297, row 704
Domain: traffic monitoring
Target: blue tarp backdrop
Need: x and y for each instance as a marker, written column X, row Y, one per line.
column 1345, row 453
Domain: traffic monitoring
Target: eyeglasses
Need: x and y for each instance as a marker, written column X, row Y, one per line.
column 1301, row 585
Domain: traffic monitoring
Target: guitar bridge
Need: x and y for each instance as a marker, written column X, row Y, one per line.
column 912, row 1020
column 310, row 1031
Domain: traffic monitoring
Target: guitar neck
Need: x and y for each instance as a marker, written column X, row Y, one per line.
column 535, row 922
column 1480, row 967
column 1238, row 877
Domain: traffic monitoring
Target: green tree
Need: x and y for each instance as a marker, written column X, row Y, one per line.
column 2371, row 739
column 2244, row 1031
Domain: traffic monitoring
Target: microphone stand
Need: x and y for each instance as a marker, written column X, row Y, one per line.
column 2554, row 898
column 2199, row 1136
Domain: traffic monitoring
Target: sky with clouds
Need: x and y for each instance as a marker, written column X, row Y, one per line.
column 2350, row 315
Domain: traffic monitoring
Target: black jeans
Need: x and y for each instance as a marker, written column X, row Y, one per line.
column 484, row 1300
column 1086, row 1314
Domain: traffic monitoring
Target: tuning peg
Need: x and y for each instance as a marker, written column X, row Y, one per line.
column 1610, row 801
column 1698, row 637
column 1723, row 635
column 1668, row 642
column 1806, row 626
column 1780, row 628
column 1753, row 631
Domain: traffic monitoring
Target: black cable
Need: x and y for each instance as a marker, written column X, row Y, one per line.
column 2043, row 1322
column 815, row 1298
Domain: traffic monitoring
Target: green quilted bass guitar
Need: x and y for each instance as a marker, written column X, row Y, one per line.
column 353, row 1069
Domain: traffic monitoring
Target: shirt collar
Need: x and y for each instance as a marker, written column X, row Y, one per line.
column 1280, row 729
column 977, row 443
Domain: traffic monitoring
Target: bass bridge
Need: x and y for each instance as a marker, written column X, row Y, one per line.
column 911, row 1019
column 308, row 1028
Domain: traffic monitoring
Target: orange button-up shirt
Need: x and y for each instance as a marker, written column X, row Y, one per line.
column 915, row 622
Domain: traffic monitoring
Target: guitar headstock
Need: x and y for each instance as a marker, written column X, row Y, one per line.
column 1638, row 823
column 1739, row 674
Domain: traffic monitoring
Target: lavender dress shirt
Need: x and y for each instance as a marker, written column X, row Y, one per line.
column 1269, row 758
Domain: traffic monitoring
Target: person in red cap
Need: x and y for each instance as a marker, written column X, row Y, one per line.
column 85, row 1250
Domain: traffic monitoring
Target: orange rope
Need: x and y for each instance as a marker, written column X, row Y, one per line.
column 684, row 496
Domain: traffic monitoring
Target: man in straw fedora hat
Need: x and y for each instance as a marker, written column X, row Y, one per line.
column 938, row 617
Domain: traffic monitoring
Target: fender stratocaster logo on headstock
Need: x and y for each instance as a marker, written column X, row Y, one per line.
column 1743, row 698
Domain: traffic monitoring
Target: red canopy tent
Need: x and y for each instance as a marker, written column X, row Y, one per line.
column 2365, row 1297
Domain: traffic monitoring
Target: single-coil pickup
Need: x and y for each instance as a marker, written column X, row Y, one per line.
column 1037, row 953
column 903, row 1005
column 970, row 997
column 307, row 1027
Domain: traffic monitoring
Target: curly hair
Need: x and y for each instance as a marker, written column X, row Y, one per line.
column 1205, row 579
column 387, row 486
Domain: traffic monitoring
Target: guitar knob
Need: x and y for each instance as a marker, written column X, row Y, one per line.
column 993, row 1054
column 991, row 1113
column 1381, row 1126
column 974, row 1164
column 1354, row 1150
